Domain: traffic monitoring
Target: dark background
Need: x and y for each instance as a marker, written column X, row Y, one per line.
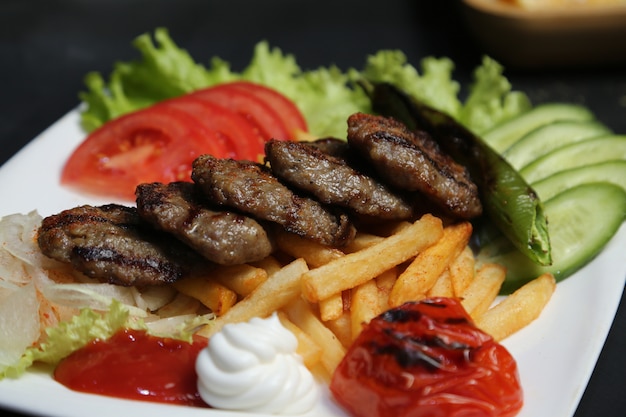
column 47, row 46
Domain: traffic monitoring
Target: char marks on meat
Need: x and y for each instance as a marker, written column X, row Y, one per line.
column 221, row 236
column 251, row 188
column 332, row 181
column 412, row 161
column 113, row 244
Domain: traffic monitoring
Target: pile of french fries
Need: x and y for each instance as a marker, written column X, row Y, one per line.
column 325, row 295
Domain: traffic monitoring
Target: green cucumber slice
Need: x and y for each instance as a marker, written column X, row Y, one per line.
column 582, row 220
column 586, row 152
column 502, row 136
column 549, row 137
column 610, row 171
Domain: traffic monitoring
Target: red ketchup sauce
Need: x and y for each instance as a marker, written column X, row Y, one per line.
column 135, row 365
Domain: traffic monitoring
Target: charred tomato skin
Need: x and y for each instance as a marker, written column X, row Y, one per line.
column 427, row 359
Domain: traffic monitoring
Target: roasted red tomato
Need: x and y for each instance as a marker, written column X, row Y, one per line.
column 267, row 120
column 154, row 144
column 287, row 110
column 427, row 359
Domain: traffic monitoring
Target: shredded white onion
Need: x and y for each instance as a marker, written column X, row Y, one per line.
column 37, row 292
column 19, row 323
column 18, row 233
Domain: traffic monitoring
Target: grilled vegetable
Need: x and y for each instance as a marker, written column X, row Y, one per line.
column 509, row 202
column 583, row 219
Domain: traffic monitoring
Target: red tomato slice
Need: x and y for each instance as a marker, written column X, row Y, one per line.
column 153, row 144
column 427, row 359
column 290, row 114
column 266, row 119
column 235, row 132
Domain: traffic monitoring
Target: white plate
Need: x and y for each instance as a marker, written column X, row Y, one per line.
column 556, row 354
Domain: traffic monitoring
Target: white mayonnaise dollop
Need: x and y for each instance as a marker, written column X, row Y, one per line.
column 253, row 367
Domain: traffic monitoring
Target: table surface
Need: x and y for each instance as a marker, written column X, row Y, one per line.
column 47, row 46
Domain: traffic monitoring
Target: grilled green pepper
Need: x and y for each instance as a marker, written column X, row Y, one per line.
column 508, row 201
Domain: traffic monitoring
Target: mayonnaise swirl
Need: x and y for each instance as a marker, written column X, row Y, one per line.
column 253, row 367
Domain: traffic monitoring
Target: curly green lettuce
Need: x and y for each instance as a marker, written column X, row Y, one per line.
column 325, row 95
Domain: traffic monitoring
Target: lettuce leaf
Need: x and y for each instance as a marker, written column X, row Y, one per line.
column 491, row 100
column 326, row 95
column 434, row 86
column 70, row 336
column 164, row 71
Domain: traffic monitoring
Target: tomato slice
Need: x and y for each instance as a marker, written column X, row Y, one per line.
column 234, row 131
column 427, row 359
column 153, row 144
column 288, row 111
column 258, row 112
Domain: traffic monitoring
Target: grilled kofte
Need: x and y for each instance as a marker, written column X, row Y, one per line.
column 112, row 243
column 310, row 189
column 412, row 161
column 332, row 181
column 253, row 189
column 222, row 236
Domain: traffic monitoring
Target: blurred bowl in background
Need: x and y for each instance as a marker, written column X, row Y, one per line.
column 580, row 36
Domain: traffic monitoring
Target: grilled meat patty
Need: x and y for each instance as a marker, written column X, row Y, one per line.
column 412, row 161
column 221, row 236
column 113, row 244
column 332, row 146
column 251, row 188
column 332, row 181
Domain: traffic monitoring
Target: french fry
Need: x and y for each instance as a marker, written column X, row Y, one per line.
column 209, row 292
column 370, row 299
column 315, row 254
column 341, row 327
column 422, row 273
column 181, row 304
column 278, row 290
column 362, row 241
column 483, row 290
column 356, row 268
column 320, row 373
column 300, row 313
column 366, row 304
column 384, row 283
column 270, row 264
column 462, row 270
column 242, row 279
column 518, row 309
column 308, row 349
column 331, row 308
column 442, row 286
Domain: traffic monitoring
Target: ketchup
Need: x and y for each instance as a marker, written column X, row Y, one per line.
column 135, row 365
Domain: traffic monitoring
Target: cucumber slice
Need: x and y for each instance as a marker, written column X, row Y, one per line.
column 582, row 221
column 610, row 171
column 586, row 152
column 549, row 137
column 502, row 136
